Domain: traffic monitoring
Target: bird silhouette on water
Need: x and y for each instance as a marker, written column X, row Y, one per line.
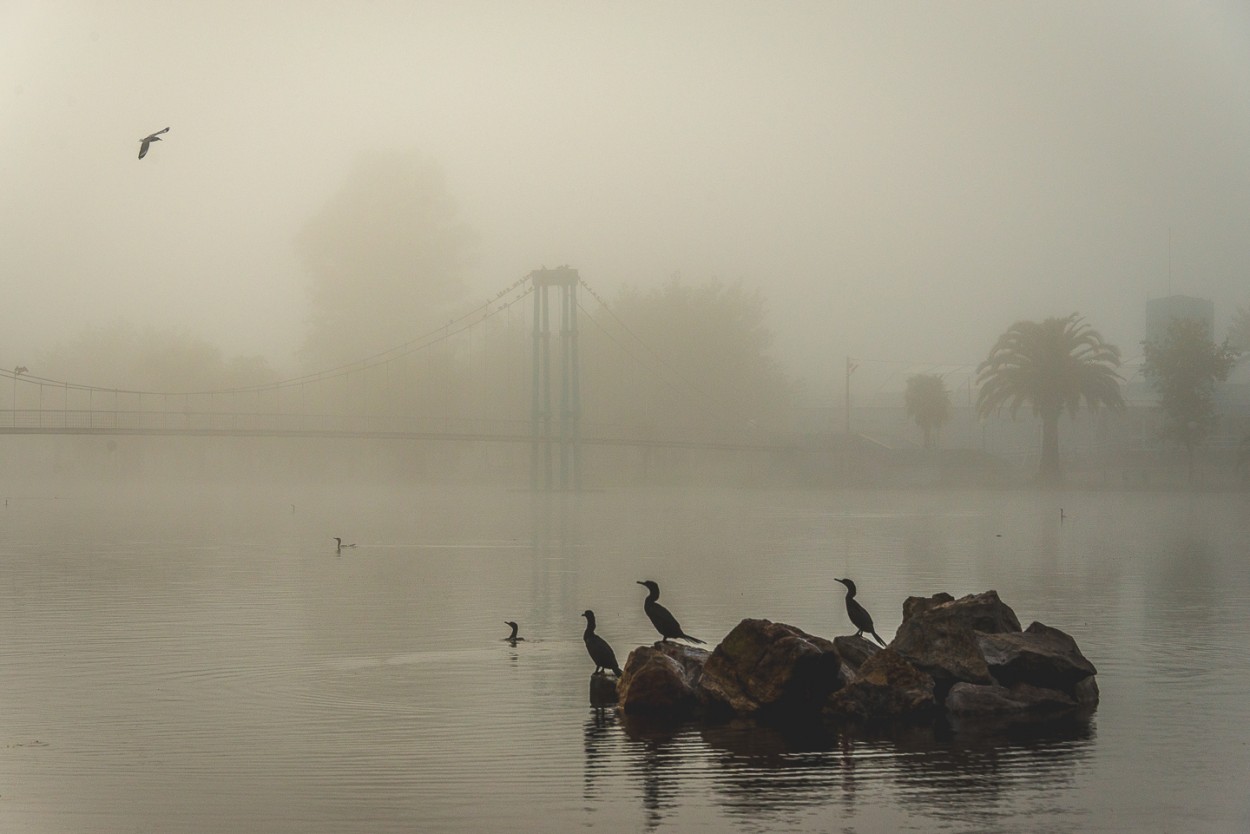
column 147, row 141
column 661, row 617
column 858, row 614
column 512, row 638
column 340, row 546
column 598, row 649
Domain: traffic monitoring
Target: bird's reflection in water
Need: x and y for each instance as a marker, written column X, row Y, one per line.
column 597, row 737
column 657, row 754
column 981, row 772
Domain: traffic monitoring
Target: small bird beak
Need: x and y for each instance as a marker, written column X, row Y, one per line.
column 640, row 583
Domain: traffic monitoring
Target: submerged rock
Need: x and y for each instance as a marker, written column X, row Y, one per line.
column 762, row 666
column 972, row 698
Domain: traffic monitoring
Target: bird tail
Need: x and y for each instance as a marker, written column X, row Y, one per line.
column 878, row 636
column 618, row 671
column 695, row 640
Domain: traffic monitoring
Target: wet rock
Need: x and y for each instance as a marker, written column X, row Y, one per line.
column 602, row 690
column 1040, row 655
column 979, row 612
column 938, row 635
column 887, row 686
column 662, row 679
column 763, row 667
column 914, row 606
column 1085, row 693
column 854, row 650
column 969, row 698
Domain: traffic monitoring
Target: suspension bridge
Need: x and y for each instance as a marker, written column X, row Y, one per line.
column 405, row 393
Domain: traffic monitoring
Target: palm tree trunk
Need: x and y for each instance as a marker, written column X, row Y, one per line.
column 1049, row 472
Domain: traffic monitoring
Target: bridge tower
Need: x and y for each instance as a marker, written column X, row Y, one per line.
column 542, row 475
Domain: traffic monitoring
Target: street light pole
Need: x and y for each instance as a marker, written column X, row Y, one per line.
column 851, row 365
column 18, row 371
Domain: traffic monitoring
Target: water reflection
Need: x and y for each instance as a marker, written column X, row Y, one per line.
column 979, row 772
column 597, row 736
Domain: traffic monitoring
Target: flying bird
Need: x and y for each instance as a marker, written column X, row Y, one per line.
column 858, row 614
column 146, row 141
column 661, row 618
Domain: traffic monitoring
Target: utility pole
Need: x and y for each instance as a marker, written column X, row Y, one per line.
column 851, row 365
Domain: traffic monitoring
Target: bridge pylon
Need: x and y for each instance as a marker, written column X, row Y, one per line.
column 542, row 473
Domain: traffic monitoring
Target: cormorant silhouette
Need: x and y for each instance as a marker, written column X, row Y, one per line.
column 341, row 546
column 859, row 616
column 661, row 618
column 146, row 141
column 600, row 652
column 512, row 638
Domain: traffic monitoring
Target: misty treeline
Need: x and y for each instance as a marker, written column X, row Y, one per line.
column 393, row 332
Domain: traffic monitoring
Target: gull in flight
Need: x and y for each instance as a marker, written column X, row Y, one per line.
column 148, row 140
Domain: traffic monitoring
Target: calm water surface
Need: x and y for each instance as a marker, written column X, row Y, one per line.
column 200, row 660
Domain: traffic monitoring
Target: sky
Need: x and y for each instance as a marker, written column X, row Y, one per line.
column 902, row 180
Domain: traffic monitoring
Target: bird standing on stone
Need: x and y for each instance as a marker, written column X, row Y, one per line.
column 661, row 618
column 858, row 614
column 598, row 649
column 147, row 141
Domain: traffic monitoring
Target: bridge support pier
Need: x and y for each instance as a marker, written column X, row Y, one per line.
column 542, row 466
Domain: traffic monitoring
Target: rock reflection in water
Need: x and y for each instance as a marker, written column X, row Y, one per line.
column 980, row 772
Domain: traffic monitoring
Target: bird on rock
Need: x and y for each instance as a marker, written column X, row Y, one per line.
column 858, row 614
column 598, row 649
column 661, row 617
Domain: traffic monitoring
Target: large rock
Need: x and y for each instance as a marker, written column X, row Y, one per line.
column 762, row 667
column 662, row 679
column 887, row 686
column 970, row 698
column 854, row 650
column 938, row 635
column 1040, row 655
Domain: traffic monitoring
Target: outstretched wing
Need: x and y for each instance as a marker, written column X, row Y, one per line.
column 147, row 142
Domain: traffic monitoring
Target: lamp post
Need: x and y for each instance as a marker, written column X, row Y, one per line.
column 18, row 371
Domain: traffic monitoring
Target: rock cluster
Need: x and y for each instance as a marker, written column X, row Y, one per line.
column 964, row 656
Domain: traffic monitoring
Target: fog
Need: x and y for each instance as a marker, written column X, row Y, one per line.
column 901, row 181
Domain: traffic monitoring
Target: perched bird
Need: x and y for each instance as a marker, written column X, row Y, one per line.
column 146, row 142
column 600, row 652
column 340, row 546
column 859, row 616
column 664, row 622
column 512, row 638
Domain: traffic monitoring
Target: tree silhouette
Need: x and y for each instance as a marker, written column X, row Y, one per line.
column 1183, row 368
column 385, row 258
column 1051, row 365
column 928, row 404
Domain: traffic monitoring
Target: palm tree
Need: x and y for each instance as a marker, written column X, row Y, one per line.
column 1052, row 365
column 928, row 403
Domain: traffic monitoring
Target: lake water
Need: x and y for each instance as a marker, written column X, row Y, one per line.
column 200, row 660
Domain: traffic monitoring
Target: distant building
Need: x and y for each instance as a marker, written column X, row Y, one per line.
column 1161, row 311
